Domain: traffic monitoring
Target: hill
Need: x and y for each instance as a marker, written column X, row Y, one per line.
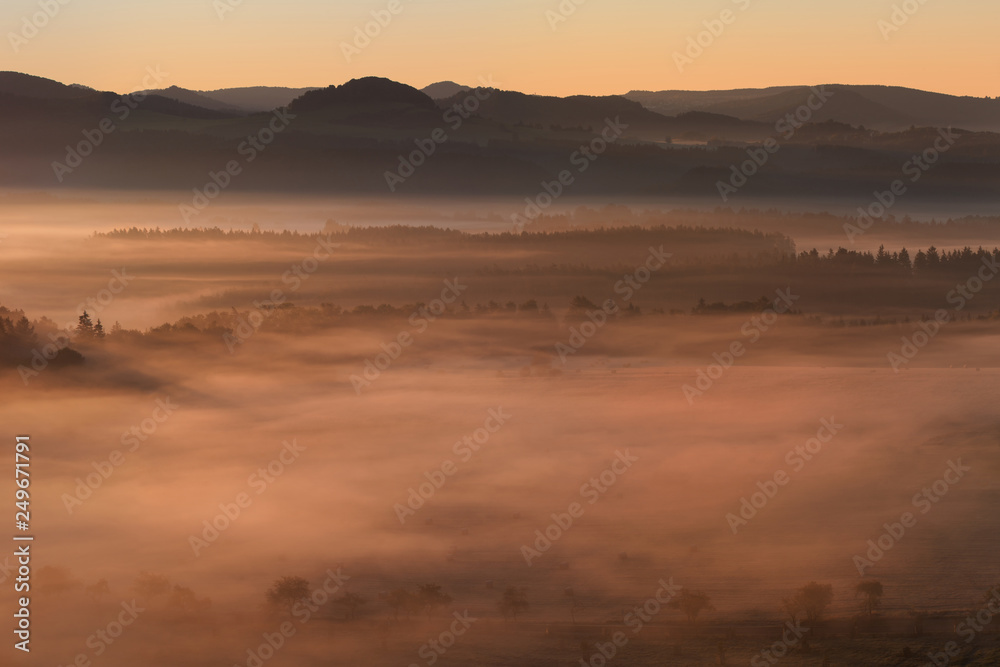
column 888, row 108
column 256, row 99
column 197, row 99
column 444, row 89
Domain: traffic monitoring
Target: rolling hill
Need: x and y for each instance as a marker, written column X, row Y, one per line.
column 346, row 138
column 887, row 108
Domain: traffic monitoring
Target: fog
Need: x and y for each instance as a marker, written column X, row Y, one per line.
column 192, row 415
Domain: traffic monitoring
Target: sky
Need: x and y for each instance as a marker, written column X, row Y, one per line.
column 554, row 47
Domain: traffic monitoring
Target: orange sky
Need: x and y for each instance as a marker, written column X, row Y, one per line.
column 603, row 47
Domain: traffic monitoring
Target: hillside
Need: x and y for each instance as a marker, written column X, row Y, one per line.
column 880, row 107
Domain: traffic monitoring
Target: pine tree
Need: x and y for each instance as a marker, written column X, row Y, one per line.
column 882, row 258
column 933, row 259
column 24, row 330
column 99, row 329
column 85, row 328
column 904, row 259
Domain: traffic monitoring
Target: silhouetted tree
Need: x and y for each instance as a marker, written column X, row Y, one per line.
column 513, row 602
column 691, row 603
column 882, row 258
column 353, row 602
column 933, row 258
column 85, row 328
column 811, row 601
column 149, row 586
column 99, row 590
column 582, row 303
column 285, row 592
column 574, row 603
column 872, row 592
column 23, row 330
column 430, row 597
column 184, row 600
column 402, row 599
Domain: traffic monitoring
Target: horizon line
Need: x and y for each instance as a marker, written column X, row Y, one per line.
column 513, row 90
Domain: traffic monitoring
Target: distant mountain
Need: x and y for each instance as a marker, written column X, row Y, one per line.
column 235, row 101
column 590, row 114
column 197, row 99
column 256, row 99
column 26, row 85
column 444, row 89
column 51, row 99
column 937, row 109
column 674, row 102
column 354, row 137
column 878, row 107
column 580, row 110
column 369, row 91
